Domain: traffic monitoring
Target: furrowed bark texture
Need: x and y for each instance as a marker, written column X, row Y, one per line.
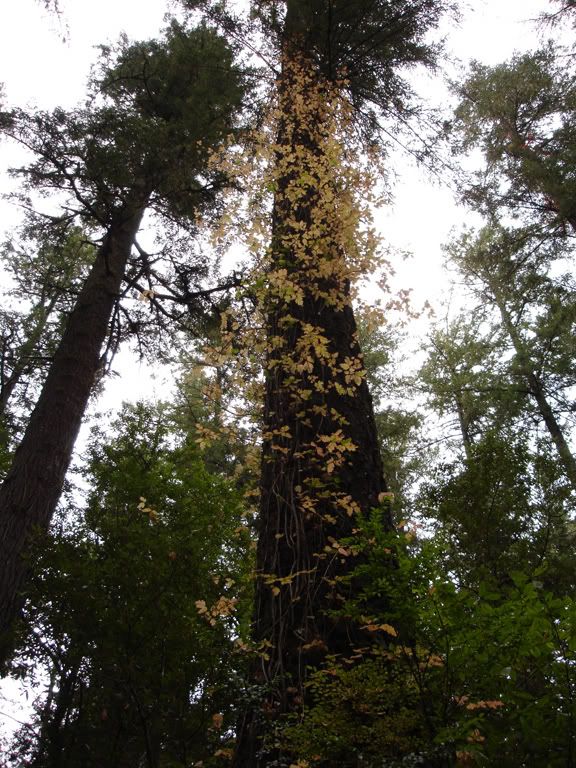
column 321, row 466
column 32, row 488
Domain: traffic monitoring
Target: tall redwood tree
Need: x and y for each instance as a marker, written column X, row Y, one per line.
column 321, row 468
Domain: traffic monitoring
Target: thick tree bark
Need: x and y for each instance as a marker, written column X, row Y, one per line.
column 32, row 488
column 321, row 465
column 552, row 425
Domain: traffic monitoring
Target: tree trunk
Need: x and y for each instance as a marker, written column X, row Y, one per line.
column 552, row 425
column 321, row 466
column 551, row 189
column 537, row 391
column 52, row 748
column 27, row 349
column 464, row 424
column 32, row 488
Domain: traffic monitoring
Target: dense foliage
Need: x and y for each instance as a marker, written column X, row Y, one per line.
column 144, row 141
column 195, row 605
column 132, row 611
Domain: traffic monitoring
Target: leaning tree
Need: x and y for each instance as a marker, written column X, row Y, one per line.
column 157, row 111
column 47, row 265
column 339, row 73
column 521, row 115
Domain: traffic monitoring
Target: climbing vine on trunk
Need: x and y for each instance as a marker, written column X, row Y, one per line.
column 321, row 469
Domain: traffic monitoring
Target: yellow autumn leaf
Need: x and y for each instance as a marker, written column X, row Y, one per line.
column 217, row 720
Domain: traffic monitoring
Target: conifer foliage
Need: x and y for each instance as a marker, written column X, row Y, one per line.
column 170, row 621
column 156, row 111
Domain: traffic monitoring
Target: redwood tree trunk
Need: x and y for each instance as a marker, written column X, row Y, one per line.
column 321, row 465
column 32, row 488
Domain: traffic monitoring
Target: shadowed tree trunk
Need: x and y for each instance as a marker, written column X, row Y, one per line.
column 30, row 492
column 536, row 389
column 166, row 105
column 22, row 365
column 321, row 466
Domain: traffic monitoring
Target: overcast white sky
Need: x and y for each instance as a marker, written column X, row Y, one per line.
column 45, row 61
column 39, row 69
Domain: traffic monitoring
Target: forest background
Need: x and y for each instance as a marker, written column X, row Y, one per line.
column 483, row 488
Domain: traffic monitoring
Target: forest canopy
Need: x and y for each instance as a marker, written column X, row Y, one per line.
column 341, row 532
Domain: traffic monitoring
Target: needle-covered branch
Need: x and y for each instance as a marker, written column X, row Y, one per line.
column 130, row 149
